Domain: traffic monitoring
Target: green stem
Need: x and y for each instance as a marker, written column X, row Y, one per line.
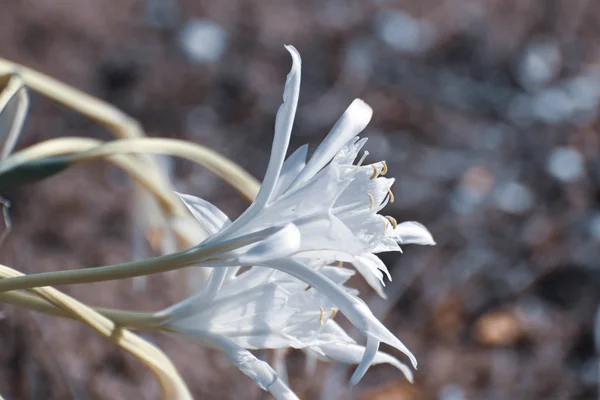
column 127, row 319
column 98, row 274
column 196, row 255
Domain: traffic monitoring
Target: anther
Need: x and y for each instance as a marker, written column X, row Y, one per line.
column 339, row 264
column 371, row 201
column 375, row 172
column 307, row 288
column 384, row 170
column 334, row 312
column 392, row 198
column 392, row 221
column 321, row 321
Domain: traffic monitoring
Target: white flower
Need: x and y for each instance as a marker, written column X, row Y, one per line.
column 333, row 203
column 306, row 216
column 263, row 308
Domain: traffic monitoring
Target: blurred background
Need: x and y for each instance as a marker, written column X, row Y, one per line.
column 486, row 113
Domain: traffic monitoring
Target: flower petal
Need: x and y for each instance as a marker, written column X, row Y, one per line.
column 290, row 170
column 366, row 361
column 412, row 233
column 208, row 215
column 351, row 123
column 331, row 233
column 385, row 244
column 348, row 153
column 261, row 372
column 363, row 193
column 372, row 269
column 352, row 353
column 283, row 130
column 357, row 312
column 280, row 244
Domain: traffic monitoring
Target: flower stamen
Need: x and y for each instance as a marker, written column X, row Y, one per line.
column 307, row 288
column 375, row 172
column 371, row 201
column 391, row 194
column 334, row 312
column 321, row 320
column 392, row 221
column 384, row 170
column 340, row 264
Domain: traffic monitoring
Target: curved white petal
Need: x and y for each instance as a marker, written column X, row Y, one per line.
column 372, row 269
column 351, row 123
column 290, row 170
column 280, row 244
column 357, row 312
column 261, row 372
column 411, row 232
column 283, row 130
column 352, row 353
column 366, row 361
column 207, row 214
column 212, row 220
column 283, row 126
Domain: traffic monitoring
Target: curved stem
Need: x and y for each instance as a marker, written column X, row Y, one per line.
column 84, row 149
column 221, row 166
column 81, row 102
column 131, row 165
column 14, row 89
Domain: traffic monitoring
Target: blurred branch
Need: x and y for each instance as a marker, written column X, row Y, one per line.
column 13, row 90
column 221, row 166
column 171, row 383
column 82, row 149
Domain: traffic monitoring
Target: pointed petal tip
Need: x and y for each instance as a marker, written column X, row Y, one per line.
column 294, row 53
column 284, row 120
column 369, row 355
column 412, row 358
column 412, row 232
column 389, row 338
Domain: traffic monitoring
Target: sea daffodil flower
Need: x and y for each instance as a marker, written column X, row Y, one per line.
column 263, row 308
column 309, row 214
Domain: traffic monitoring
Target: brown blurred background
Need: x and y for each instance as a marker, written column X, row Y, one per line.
column 486, row 112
